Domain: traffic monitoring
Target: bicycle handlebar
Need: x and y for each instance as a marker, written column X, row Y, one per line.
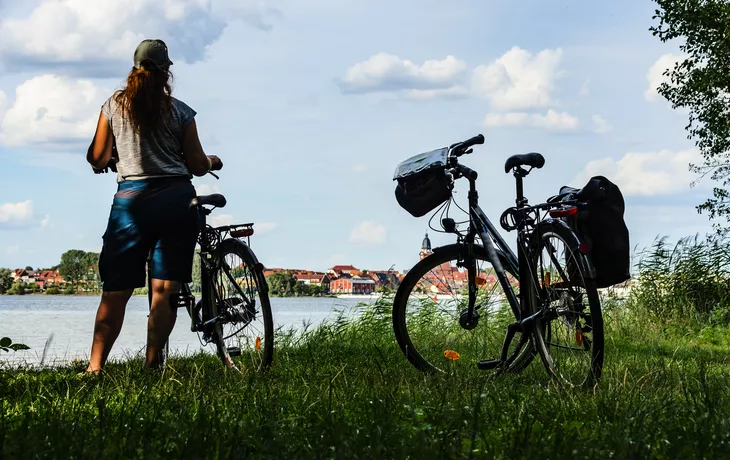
column 460, row 148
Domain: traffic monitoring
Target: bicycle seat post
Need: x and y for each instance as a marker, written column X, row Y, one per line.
column 519, row 174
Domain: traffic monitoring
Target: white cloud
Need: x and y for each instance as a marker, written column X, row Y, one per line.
column 263, row 228
column 52, row 110
column 387, row 72
column 3, row 106
column 206, row 189
column 600, row 125
column 551, row 121
column 16, row 213
column 220, row 220
column 368, row 233
column 102, row 35
column 46, row 222
column 454, row 92
column 646, row 174
column 519, row 79
column 655, row 75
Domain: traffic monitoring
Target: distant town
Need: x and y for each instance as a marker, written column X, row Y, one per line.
column 338, row 280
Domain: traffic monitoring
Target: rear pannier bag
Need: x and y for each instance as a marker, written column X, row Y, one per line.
column 423, row 184
column 601, row 225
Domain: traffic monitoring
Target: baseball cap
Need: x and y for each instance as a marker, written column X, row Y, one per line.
column 152, row 50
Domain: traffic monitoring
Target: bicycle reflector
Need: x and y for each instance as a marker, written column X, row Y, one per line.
column 564, row 212
column 579, row 337
column 242, row 233
column 452, row 355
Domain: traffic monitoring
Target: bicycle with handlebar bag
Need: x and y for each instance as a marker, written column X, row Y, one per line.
column 476, row 301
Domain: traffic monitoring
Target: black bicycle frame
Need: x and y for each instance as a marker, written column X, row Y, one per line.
column 482, row 226
column 205, row 284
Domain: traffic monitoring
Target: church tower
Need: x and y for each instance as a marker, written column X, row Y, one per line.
column 425, row 248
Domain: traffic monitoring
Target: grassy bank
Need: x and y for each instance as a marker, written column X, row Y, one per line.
column 345, row 391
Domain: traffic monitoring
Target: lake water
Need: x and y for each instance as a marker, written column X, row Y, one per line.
column 70, row 321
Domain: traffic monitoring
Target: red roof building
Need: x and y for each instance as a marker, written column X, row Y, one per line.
column 339, row 271
column 352, row 286
column 18, row 274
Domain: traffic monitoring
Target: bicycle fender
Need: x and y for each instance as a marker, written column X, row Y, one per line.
column 252, row 260
column 548, row 225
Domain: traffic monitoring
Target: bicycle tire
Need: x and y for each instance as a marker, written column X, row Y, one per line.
column 543, row 332
column 440, row 256
column 235, row 247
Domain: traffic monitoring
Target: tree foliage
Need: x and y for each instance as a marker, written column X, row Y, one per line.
column 701, row 84
column 16, row 289
column 72, row 265
column 196, row 271
column 77, row 265
column 6, row 280
column 281, row 283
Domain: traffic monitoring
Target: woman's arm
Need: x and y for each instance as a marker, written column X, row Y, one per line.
column 100, row 150
column 195, row 158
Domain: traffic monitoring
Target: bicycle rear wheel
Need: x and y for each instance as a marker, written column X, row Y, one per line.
column 430, row 310
column 244, row 334
column 570, row 336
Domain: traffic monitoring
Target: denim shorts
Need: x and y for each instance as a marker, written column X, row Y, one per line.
column 149, row 215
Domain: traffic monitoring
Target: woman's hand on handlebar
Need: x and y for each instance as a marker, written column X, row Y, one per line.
column 216, row 162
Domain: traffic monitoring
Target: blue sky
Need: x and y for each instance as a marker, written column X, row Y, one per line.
column 311, row 105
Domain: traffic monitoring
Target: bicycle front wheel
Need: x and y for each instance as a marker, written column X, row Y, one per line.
column 430, row 316
column 569, row 337
column 244, row 332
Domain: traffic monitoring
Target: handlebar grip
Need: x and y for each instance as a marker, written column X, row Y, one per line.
column 478, row 139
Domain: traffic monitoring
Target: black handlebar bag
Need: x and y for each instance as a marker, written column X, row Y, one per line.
column 423, row 183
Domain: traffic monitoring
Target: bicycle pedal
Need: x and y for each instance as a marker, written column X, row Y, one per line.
column 488, row 364
column 233, row 351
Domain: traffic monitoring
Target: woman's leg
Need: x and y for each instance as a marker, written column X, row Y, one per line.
column 109, row 319
column 162, row 319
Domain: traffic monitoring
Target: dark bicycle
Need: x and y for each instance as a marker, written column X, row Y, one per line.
column 234, row 312
column 457, row 302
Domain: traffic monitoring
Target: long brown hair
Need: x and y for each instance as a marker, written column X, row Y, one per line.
column 145, row 101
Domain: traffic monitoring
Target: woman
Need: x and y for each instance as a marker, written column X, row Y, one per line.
column 157, row 150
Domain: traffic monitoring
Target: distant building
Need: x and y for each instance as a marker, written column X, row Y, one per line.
column 352, row 286
column 339, row 271
column 18, row 274
column 386, row 280
column 41, row 278
column 314, row 278
column 425, row 248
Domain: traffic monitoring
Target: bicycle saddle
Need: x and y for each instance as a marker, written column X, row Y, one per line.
column 534, row 159
column 215, row 199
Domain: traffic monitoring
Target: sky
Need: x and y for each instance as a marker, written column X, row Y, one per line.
column 312, row 105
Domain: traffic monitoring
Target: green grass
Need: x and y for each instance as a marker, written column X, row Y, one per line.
column 346, row 391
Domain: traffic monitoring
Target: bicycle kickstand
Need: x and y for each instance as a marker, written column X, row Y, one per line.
column 502, row 363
